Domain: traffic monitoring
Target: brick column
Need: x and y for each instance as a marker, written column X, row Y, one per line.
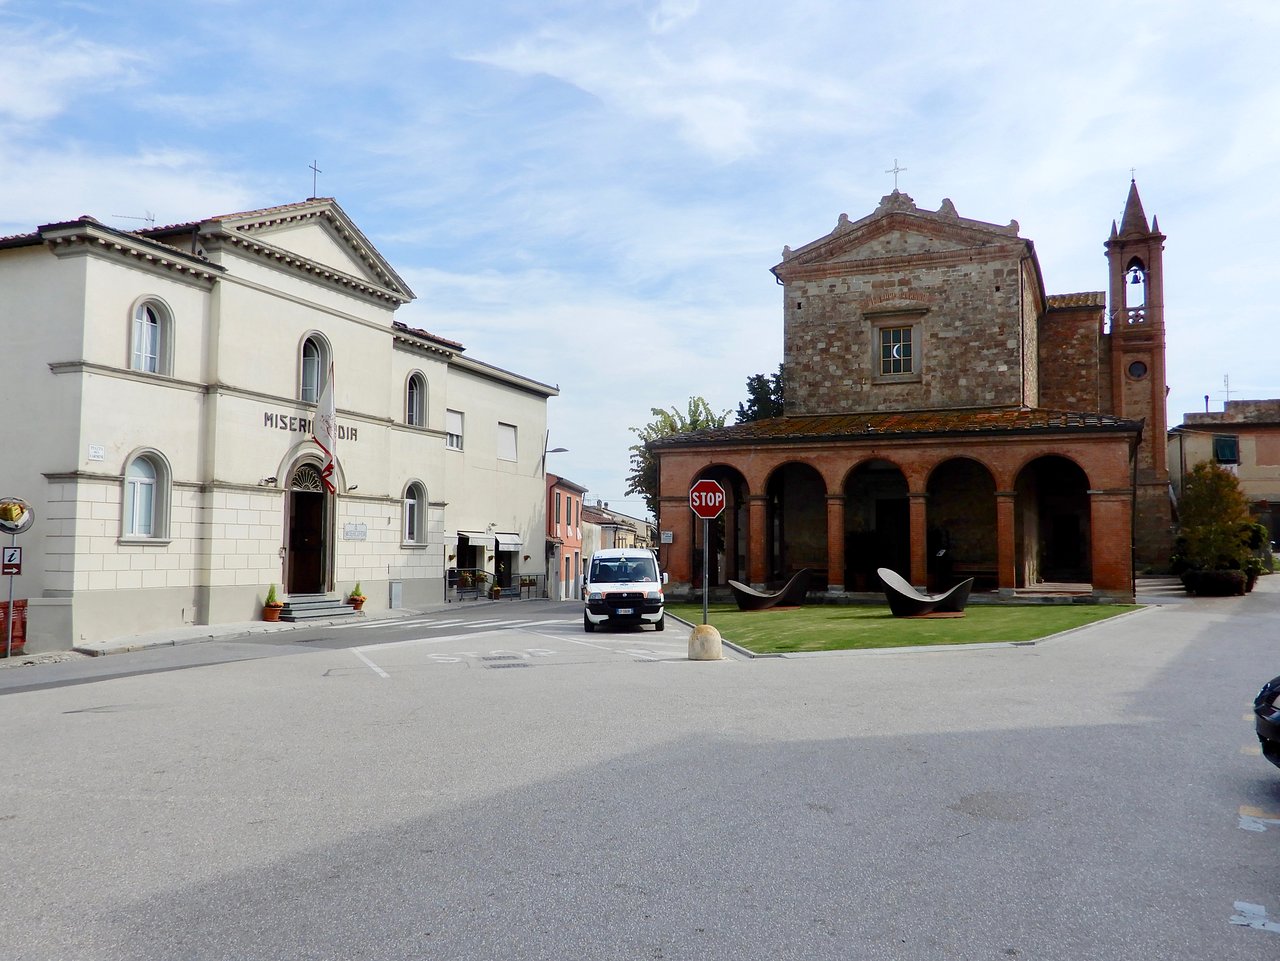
column 674, row 515
column 757, row 563
column 835, row 542
column 919, row 540
column 1006, row 540
column 1111, row 557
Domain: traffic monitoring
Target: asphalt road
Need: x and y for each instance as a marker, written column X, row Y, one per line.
column 473, row 790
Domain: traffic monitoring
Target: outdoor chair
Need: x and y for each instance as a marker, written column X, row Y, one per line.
column 749, row 599
column 905, row 601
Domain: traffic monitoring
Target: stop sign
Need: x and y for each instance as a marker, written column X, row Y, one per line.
column 706, row 497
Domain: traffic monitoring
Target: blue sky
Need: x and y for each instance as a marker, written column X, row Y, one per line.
column 565, row 184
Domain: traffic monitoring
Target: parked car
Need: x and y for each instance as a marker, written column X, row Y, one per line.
column 623, row 587
column 1266, row 708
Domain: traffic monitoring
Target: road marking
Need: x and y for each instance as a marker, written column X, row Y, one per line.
column 1254, row 750
column 1254, row 916
column 373, row 667
column 397, row 623
column 1257, row 819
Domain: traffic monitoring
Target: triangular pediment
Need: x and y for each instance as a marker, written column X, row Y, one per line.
column 898, row 228
column 320, row 232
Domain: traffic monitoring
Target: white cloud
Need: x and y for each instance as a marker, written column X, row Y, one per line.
column 42, row 72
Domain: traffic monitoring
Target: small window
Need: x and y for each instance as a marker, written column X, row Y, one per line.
column 558, row 498
column 146, row 497
column 415, row 401
column 315, row 362
column 150, row 339
column 506, row 442
column 414, row 504
column 453, row 429
column 897, row 351
column 1137, row 370
column 1226, row 449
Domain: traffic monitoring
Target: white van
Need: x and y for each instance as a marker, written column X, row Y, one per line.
column 623, row 586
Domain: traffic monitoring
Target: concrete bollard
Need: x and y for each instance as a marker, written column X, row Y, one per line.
column 704, row 644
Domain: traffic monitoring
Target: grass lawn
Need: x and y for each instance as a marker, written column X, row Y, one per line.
column 839, row 627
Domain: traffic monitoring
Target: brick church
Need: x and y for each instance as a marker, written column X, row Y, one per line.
column 944, row 417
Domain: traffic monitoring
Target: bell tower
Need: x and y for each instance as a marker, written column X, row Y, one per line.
column 1135, row 253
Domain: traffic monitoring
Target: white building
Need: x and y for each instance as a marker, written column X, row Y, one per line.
column 159, row 388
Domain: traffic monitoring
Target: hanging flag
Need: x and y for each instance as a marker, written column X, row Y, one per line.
column 325, row 431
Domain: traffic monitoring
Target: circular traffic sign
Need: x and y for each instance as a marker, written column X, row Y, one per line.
column 16, row 515
column 706, row 498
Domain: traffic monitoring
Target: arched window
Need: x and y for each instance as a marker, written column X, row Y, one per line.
column 150, row 338
column 415, row 506
column 146, row 497
column 315, row 365
column 415, row 401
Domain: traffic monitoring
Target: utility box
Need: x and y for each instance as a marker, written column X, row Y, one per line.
column 395, row 594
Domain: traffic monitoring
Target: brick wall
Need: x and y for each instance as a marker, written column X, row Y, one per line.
column 1071, row 368
column 971, row 336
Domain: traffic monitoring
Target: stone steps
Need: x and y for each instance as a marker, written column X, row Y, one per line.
column 307, row 607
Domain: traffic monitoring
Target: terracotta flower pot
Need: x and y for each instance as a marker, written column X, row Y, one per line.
column 272, row 612
column 356, row 601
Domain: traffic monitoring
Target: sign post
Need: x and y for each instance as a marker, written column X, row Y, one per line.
column 707, row 500
column 16, row 516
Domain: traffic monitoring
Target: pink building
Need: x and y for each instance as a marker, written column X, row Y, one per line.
column 564, row 537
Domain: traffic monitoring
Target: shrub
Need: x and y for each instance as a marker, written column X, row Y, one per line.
column 1216, row 527
column 1215, row 583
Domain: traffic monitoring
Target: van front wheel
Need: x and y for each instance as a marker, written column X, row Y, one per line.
column 662, row 623
column 587, row 625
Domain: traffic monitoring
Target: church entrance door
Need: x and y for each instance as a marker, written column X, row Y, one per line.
column 305, row 558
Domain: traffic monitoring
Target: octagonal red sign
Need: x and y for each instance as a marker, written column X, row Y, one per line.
column 707, row 499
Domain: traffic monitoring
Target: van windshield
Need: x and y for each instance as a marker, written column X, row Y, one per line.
column 623, row 570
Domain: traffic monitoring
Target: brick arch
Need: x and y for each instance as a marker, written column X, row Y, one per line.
column 795, row 520
column 905, row 466
column 961, row 523
column 1031, row 456
column 729, row 535
column 876, row 525
column 1054, row 521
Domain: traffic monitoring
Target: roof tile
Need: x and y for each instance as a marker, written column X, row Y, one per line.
column 861, row 425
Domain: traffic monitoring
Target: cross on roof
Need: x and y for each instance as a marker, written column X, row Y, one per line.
column 315, row 169
column 895, row 170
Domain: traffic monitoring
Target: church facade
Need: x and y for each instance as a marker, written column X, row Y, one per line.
column 945, row 417
column 161, row 387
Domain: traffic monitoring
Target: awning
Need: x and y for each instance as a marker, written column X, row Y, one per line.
column 475, row 535
column 508, row 542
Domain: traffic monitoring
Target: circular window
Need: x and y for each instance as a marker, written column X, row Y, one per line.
column 1137, row 370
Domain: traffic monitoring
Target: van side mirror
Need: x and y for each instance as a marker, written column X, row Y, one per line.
column 664, row 577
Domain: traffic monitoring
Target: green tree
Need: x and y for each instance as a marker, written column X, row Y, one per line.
column 764, row 397
column 643, row 479
column 1215, row 521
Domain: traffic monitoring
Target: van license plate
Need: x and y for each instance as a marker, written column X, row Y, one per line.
column 625, row 610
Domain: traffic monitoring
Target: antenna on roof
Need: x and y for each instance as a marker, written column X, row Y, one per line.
column 150, row 218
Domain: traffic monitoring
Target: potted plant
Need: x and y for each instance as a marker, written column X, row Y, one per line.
column 356, row 599
column 271, row 607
